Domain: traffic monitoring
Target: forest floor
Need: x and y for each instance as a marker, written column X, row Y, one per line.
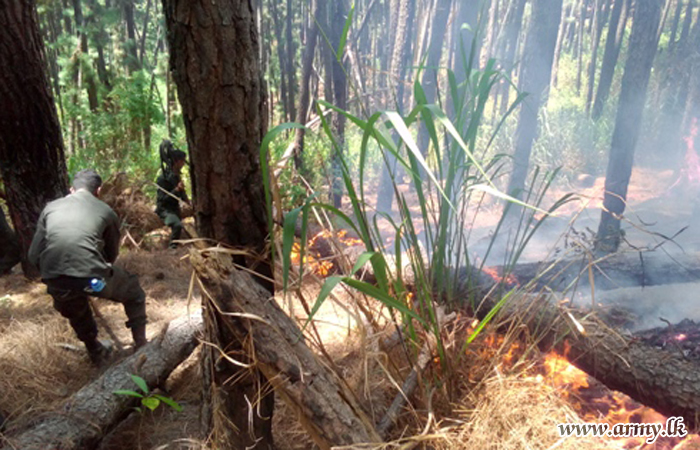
column 493, row 395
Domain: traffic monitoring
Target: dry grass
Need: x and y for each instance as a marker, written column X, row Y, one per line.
column 484, row 407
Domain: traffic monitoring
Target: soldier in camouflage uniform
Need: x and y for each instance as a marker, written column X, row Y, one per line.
column 76, row 241
column 171, row 191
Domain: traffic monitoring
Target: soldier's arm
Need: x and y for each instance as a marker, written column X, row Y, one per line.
column 37, row 245
column 111, row 238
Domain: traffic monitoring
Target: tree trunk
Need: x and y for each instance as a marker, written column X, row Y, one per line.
column 676, row 21
column 340, row 94
column 513, row 27
column 465, row 46
column 291, row 57
column 399, row 58
column 687, row 21
column 325, row 406
column 284, row 88
column 223, row 109
column 132, row 58
column 304, row 93
column 9, row 246
column 31, row 150
column 635, row 79
column 86, row 69
column 654, row 377
column 595, row 40
column 625, row 270
column 91, row 412
column 429, row 81
column 563, row 28
column 534, row 79
column 579, row 44
column 144, row 34
column 691, row 118
column 613, row 43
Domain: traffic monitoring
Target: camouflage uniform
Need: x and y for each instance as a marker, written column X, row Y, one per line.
column 167, row 207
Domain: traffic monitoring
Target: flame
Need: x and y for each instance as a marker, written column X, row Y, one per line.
column 320, row 265
column 595, row 403
column 493, row 272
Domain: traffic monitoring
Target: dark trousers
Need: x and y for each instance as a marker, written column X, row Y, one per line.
column 71, row 300
column 173, row 221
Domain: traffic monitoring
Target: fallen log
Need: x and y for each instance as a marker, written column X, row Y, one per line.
column 94, row 410
column 634, row 269
column 324, row 404
column 657, row 378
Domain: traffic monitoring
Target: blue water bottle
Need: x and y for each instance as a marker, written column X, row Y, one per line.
column 97, row 284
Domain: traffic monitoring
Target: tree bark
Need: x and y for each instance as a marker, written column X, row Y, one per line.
column 325, row 406
column 534, row 79
column 598, row 19
column 654, row 377
column 130, row 47
column 429, row 81
column 399, row 58
column 9, row 246
column 635, row 79
column 687, row 21
column 284, row 88
column 31, row 150
column 304, row 91
column 94, row 410
column 512, row 32
column 340, row 95
column 86, row 69
column 223, row 108
column 618, row 271
column 291, row 57
column 676, row 21
column 613, row 43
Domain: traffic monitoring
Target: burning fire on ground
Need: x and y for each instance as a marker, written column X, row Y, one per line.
column 321, row 250
column 592, row 400
column 497, row 275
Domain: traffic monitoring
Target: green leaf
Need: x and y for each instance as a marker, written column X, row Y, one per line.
column 151, row 403
column 344, row 36
column 362, row 260
column 128, row 393
column 170, row 402
column 141, row 383
column 382, row 296
column 290, row 222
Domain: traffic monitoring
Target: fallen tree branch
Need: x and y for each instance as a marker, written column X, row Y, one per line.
column 654, row 377
column 94, row 410
column 324, row 404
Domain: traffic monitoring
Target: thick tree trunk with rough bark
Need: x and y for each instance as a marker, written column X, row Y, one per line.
column 325, row 406
column 534, row 79
column 635, row 79
column 31, row 150
column 94, row 410
column 223, row 109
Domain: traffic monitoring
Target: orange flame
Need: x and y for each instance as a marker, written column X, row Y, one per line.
column 493, row 272
column 319, row 264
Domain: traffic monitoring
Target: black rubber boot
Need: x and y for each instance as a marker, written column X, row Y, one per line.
column 139, row 335
column 98, row 352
